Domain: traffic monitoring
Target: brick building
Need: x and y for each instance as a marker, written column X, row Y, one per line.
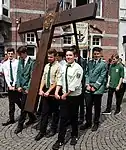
column 103, row 31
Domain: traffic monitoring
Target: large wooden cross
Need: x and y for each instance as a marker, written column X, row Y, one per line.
column 48, row 24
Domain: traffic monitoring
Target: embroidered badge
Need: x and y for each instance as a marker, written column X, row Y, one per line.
column 78, row 75
column 117, row 70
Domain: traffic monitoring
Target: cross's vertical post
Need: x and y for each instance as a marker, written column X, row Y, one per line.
column 45, row 44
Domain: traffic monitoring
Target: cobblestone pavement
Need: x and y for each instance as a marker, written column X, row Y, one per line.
column 111, row 134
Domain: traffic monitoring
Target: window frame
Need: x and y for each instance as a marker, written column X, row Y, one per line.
column 30, row 37
column 96, row 37
column 100, row 15
column 67, row 39
column 7, row 7
column 64, row 5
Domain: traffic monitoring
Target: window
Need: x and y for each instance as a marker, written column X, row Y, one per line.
column 67, row 5
column 99, row 8
column 30, row 37
column 5, row 8
column 5, row 12
column 96, row 41
column 67, row 40
column 81, row 2
column 31, row 50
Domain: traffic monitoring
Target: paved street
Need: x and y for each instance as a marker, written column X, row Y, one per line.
column 111, row 134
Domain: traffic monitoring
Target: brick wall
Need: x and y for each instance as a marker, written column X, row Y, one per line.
column 106, row 24
column 109, row 11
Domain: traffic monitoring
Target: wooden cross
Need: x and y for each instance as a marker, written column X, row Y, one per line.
column 48, row 24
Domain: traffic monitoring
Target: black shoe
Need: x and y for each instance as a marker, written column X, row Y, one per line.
column 95, row 127
column 51, row 133
column 18, row 130
column 30, row 122
column 57, row 145
column 74, row 140
column 80, row 122
column 39, row 136
column 85, row 126
column 8, row 122
column 117, row 112
column 106, row 112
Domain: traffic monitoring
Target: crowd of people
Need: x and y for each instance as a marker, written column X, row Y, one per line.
column 67, row 87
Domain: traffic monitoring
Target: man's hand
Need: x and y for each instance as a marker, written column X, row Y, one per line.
column 57, row 96
column 26, row 91
column 46, row 94
column 88, row 87
column 19, row 89
column 63, row 97
column 92, row 89
column 11, row 88
column 117, row 88
column 107, row 86
column 41, row 93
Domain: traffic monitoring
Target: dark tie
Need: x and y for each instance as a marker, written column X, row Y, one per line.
column 23, row 63
column 11, row 72
column 94, row 63
column 66, row 81
column 48, row 76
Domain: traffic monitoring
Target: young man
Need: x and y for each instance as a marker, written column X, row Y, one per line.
column 70, row 82
column 95, row 86
column 115, row 79
column 47, row 88
column 10, row 72
column 24, row 73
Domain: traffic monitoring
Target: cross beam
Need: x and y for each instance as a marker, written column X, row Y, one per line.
column 48, row 25
column 77, row 14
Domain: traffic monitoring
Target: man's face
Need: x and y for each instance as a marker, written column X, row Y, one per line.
column 70, row 57
column 22, row 55
column 51, row 58
column 97, row 55
column 10, row 55
column 114, row 60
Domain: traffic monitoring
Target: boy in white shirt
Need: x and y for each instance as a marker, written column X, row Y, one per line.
column 10, row 72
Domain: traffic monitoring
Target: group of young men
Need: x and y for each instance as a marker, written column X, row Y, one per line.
column 63, row 88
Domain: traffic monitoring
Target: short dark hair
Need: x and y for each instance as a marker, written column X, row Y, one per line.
column 97, row 49
column 52, row 51
column 73, row 49
column 115, row 56
column 10, row 50
column 22, row 49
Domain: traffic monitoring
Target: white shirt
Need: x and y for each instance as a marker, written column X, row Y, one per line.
column 124, row 80
column 54, row 74
column 26, row 60
column 74, row 77
column 1, row 68
column 6, row 71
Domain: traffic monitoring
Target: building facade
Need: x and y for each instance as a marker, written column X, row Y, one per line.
column 122, row 30
column 103, row 31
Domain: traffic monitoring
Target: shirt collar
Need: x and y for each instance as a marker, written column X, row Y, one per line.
column 53, row 63
column 11, row 59
column 26, row 59
column 71, row 64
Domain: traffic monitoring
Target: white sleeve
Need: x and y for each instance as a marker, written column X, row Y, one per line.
column 6, row 74
column 15, row 73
